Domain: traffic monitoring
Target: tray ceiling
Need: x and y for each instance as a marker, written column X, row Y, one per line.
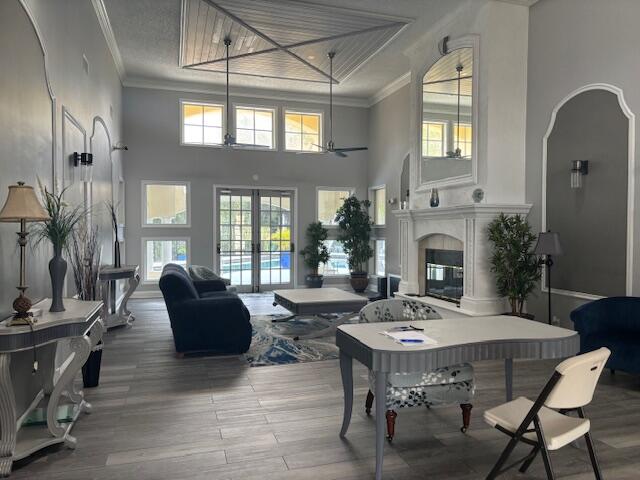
column 281, row 39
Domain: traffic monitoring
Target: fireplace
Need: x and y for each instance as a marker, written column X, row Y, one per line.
column 444, row 274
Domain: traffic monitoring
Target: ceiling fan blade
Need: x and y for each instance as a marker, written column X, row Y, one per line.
column 350, row 149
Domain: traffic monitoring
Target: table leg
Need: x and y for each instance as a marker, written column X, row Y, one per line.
column 346, row 371
column 8, row 433
column 508, row 378
column 381, row 404
column 124, row 312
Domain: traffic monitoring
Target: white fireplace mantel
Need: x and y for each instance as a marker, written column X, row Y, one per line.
column 468, row 223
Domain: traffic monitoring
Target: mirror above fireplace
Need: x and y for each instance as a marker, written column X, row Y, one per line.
column 447, row 118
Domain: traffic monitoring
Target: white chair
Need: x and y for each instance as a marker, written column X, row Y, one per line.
column 544, row 424
column 442, row 386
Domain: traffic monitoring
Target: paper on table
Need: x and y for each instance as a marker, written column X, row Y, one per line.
column 410, row 338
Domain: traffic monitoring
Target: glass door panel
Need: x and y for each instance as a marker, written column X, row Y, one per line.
column 235, row 237
column 276, row 232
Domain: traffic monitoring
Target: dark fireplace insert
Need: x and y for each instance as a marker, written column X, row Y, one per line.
column 444, row 274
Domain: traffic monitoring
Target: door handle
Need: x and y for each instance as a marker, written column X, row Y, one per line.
column 218, row 248
column 293, row 248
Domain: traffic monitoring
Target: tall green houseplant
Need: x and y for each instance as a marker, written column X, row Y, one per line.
column 315, row 253
column 355, row 236
column 515, row 266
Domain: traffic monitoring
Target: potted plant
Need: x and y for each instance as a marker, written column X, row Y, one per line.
column 355, row 235
column 515, row 266
column 315, row 253
column 58, row 230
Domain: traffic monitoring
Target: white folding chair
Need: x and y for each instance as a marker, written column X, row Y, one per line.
column 544, row 424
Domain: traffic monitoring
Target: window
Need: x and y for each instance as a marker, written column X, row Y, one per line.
column 338, row 263
column 160, row 251
column 433, row 139
column 254, row 126
column 165, row 204
column 462, row 139
column 201, row 124
column 302, row 131
column 329, row 201
column 380, row 264
column 378, row 204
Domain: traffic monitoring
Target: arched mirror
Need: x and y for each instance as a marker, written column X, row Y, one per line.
column 447, row 136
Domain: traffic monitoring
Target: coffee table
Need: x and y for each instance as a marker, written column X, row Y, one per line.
column 317, row 302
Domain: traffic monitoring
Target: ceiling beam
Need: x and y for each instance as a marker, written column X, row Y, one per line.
column 299, row 44
column 268, row 39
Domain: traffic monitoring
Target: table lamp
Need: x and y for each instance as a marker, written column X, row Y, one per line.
column 22, row 206
column 548, row 246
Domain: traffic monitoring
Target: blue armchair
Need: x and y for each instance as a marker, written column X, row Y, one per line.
column 203, row 315
column 614, row 323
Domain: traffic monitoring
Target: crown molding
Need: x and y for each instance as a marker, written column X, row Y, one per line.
column 107, row 31
column 155, row 84
column 390, row 89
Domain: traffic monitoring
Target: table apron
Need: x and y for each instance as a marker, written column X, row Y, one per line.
column 427, row 360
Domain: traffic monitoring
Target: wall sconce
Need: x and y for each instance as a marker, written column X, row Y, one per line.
column 579, row 168
column 120, row 146
column 84, row 161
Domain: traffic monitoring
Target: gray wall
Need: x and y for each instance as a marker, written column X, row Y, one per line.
column 592, row 220
column 152, row 124
column 29, row 127
column 389, row 137
column 573, row 43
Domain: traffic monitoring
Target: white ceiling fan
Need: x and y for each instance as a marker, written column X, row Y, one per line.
column 230, row 140
column 331, row 148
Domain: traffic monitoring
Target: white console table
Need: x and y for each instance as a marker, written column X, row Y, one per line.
column 22, row 391
column 117, row 315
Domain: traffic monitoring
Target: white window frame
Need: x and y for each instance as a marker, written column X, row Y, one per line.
column 375, row 256
column 454, row 124
column 351, row 191
column 206, row 104
column 144, row 185
column 445, row 132
column 372, row 207
column 143, row 251
column 274, row 132
column 301, row 111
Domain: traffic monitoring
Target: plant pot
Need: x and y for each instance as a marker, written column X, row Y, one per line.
column 57, row 271
column 313, row 281
column 359, row 281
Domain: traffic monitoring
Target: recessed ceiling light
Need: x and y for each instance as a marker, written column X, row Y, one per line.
column 311, row 57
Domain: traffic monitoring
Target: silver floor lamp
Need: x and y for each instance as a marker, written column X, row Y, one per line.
column 547, row 247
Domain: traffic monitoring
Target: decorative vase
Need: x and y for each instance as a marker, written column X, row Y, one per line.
column 435, row 198
column 57, row 271
column 116, row 255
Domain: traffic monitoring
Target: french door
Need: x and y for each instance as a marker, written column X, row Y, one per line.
column 255, row 232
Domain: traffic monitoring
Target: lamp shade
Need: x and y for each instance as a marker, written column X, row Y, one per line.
column 548, row 244
column 22, row 204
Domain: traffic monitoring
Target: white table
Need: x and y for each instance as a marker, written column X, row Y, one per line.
column 459, row 340
column 317, row 302
column 21, row 391
column 118, row 315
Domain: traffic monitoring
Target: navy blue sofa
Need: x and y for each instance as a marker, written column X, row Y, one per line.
column 614, row 323
column 204, row 316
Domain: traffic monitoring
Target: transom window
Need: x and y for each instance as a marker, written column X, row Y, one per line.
column 462, row 138
column 165, row 204
column 255, row 126
column 302, row 131
column 329, row 201
column 201, row 123
column 433, row 139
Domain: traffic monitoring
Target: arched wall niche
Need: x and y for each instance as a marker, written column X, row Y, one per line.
column 595, row 222
column 27, row 138
column 101, row 189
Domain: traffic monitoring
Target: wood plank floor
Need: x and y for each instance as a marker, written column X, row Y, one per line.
column 158, row 417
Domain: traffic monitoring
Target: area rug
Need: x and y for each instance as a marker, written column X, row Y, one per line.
column 273, row 343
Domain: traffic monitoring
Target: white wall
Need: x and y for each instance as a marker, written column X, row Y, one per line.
column 152, row 128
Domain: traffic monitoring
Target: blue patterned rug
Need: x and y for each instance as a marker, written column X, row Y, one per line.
column 273, row 343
